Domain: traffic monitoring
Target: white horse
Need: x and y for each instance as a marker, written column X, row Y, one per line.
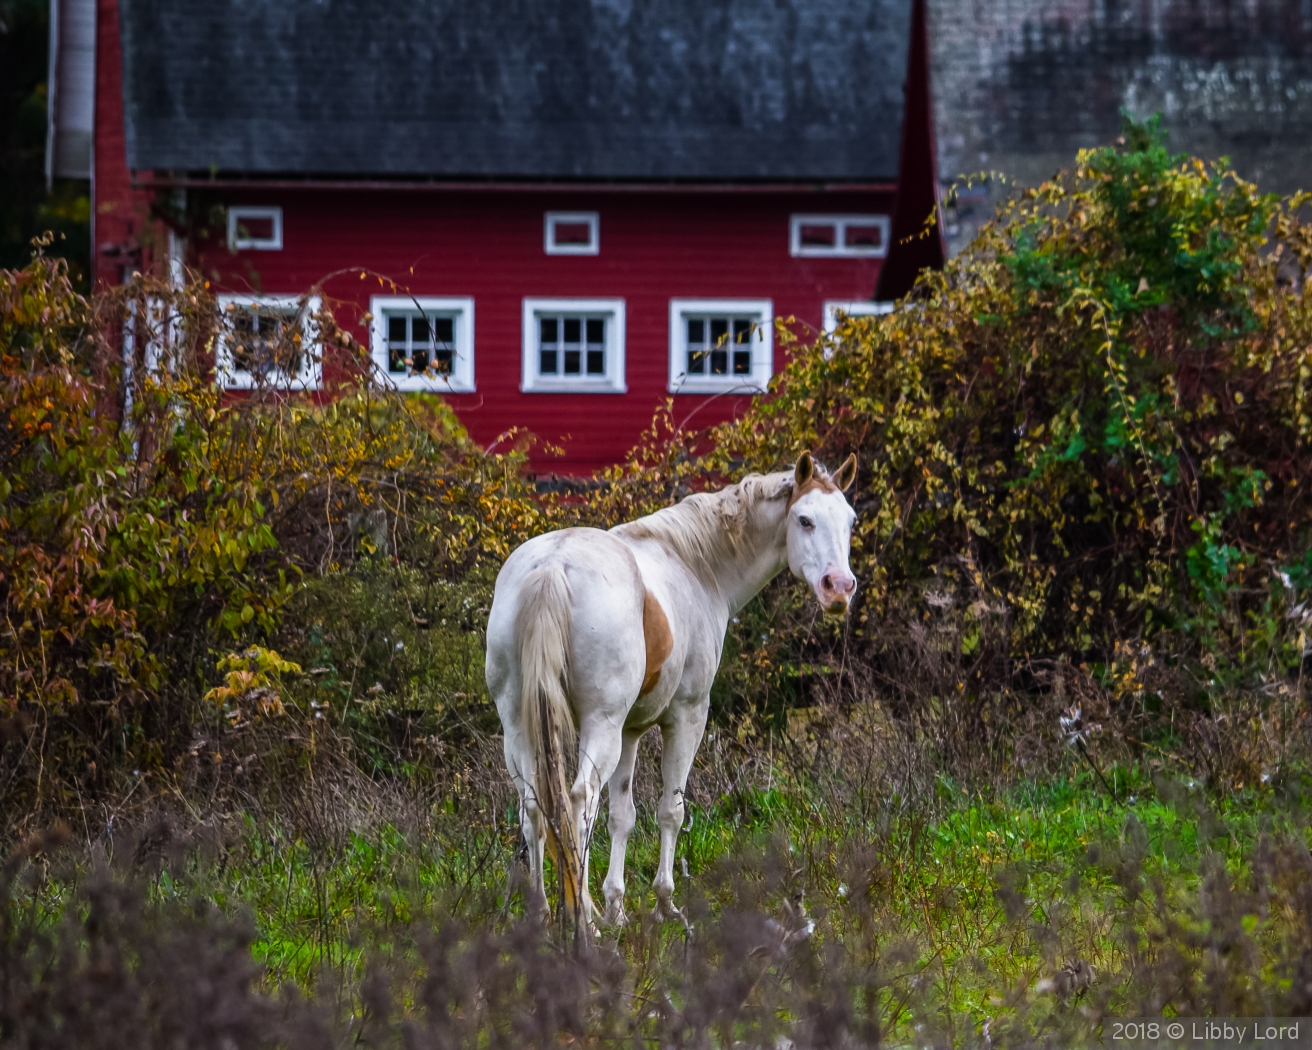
column 611, row 633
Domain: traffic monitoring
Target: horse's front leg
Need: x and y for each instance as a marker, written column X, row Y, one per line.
column 623, row 815
column 681, row 734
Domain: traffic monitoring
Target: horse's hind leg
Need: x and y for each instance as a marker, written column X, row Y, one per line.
column 623, row 815
column 532, row 821
column 600, row 744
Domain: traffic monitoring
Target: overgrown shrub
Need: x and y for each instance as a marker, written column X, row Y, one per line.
column 149, row 524
column 1084, row 442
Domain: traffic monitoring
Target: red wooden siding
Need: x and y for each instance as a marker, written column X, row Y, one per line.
column 655, row 246
column 121, row 231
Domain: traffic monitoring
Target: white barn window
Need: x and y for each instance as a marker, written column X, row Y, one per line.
column 573, row 345
column 268, row 341
column 572, row 233
column 720, row 345
column 424, row 343
column 835, row 309
column 254, row 229
column 852, row 236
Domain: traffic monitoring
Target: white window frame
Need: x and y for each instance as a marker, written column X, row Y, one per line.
column 237, row 213
column 461, row 379
column 859, row 308
column 612, row 382
column 761, row 311
column 311, row 375
column 840, row 249
column 591, row 219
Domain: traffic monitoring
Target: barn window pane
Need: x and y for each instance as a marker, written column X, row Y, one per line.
column 719, row 349
column 742, row 348
column 573, row 347
column 262, row 341
column 856, row 236
column 819, row 235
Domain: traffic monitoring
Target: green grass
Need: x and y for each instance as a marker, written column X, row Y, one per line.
column 932, row 883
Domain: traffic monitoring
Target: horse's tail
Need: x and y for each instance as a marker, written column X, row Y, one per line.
column 542, row 626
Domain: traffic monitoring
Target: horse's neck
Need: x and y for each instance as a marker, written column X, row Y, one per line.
column 761, row 555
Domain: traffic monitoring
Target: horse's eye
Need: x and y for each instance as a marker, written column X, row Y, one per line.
column 806, row 522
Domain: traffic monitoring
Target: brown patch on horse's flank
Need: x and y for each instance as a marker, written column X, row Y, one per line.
column 660, row 642
column 815, row 483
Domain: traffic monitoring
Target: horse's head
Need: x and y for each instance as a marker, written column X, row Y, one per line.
column 820, row 531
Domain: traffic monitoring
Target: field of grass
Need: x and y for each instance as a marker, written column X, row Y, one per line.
column 940, row 920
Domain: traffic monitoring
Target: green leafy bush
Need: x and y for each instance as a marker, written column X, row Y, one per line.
column 1096, row 416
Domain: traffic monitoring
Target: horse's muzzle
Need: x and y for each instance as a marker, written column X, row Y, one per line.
column 835, row 590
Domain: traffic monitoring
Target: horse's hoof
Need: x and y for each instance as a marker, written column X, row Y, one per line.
column 665, row 910
column 615, row 914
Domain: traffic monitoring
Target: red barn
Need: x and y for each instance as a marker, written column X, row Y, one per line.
column 585, row 205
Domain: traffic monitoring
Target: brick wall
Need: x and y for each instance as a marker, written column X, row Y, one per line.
column 1020, row 85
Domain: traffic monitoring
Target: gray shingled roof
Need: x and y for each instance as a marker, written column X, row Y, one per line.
column 607, row 89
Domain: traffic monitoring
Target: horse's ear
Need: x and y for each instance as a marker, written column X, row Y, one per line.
column 846, row 473
column 804, row 471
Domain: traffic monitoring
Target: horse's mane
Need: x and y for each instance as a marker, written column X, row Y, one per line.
column 705, row 528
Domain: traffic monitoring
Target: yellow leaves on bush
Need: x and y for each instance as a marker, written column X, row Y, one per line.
column 252, row 678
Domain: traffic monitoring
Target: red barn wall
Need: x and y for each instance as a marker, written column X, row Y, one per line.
column 123, row 237
column 656, row 244
column 488, row 244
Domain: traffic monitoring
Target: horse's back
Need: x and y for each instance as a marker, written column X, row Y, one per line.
column 605, row 596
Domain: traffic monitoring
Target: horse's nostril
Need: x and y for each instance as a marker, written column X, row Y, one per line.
column 827, row 583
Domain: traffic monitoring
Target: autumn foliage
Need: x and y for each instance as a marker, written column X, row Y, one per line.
column 1084, row 473
column 149, row 524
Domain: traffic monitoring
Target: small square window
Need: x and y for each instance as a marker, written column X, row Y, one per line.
column 572, row 233
column 573, row 346
column 857, row 236
column 720, row 345
column 425, row 344
column 267, row 341
column 254, row 229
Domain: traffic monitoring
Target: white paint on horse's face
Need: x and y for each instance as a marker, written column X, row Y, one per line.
column 819, row 539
